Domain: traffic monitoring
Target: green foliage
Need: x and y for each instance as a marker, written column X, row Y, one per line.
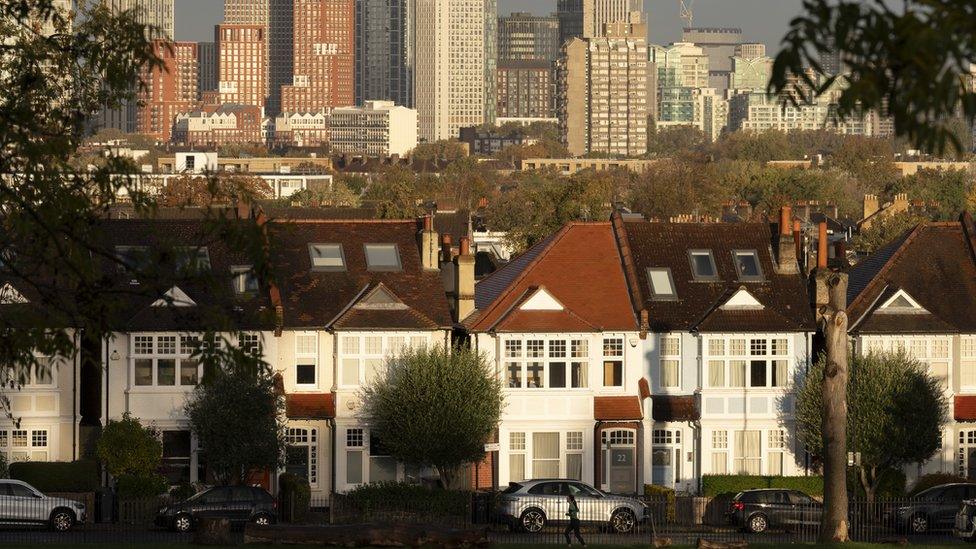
column 141, row 486
column 911, row 62
column 410, row 497
column 434, row 407
column 714, row 485
column 54, row 476
column 949, row 189
column 675, row 186
column 126, row 448
column 925, row 482
column 339, row 195
column 896, row 412
column 655, row 494
column 447, row 150
column 295, row 497
column 673, row 140
column 891, row 484
column 884, row 230
column 399, row 193
column 229, row 404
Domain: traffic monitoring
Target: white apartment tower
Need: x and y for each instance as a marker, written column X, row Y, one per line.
column 451, row 88
column 588, row 18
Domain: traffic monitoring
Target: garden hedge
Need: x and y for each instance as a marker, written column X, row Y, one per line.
column 401, row 496
column 714, row 485
column 58, row 476
column 661, row 494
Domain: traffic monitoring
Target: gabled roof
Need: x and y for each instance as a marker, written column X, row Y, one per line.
column 783, row 304
column 579, row 267
column 324, row 299
column 934, row 265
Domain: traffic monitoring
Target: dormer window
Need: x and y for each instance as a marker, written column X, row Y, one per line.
column 245, row 281
column 192, row 258
column 901, row 303
column 382, row 257
column 661, row 283
column 703, row 265
column 327, row 257
column 747, row 265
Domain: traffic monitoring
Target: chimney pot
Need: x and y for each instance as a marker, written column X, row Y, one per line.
column 822, row 245
column 465, row 246
column 428, row 223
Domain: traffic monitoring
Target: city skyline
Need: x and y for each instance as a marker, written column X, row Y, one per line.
column 760, row 20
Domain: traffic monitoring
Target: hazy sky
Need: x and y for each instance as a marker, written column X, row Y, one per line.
column 760, row 20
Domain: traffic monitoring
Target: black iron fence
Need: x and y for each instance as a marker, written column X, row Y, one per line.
column 504, row 519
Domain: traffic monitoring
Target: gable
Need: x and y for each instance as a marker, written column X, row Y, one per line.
column 380, row 297
column 742, row 299
column 10, row 296
column 541, row 300
column 175, row 297
column 901, row 303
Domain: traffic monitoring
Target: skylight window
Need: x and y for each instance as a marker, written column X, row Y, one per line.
column 747, row 265
column 382, row 257
column 132, row 258
column 245, row 281
column 703, row 265
column 192, row 258
column 327, row 257
column 661, row 283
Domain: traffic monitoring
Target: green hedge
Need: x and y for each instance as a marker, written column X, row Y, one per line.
column 398, row 496
column 58, row 476
column 713, row 485
column 661, row 494
column 295, row 497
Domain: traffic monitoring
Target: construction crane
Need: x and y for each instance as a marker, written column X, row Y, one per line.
column 686, row 13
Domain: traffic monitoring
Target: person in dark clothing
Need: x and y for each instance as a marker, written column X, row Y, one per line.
column 574, row 522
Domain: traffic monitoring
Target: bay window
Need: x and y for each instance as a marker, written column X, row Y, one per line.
column 165, row 361
column 756, row 362
column 539, row 363
column 363, row 357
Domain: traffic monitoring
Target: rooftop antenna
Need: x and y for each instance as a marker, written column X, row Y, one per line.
column 686, row 13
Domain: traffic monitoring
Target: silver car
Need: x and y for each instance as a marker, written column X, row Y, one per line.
column 532, row 504
column 21, row 504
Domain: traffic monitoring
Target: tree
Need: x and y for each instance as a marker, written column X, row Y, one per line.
column 884, row 230
column 896, row 411
column 338, row 195
column 236, row 415
column 132, row 454
column 947, row 190
column 675, row 139
column 675, row 186
column 447, row 150
column 200, row 191
column 435, row 407
column 909, row 59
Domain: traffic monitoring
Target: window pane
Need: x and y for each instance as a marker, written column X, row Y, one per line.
column 327, row 256
column 757, row 372
column 579, row 374
column 382, row 257
column 382, row 469
column 775, row 460
column 374, row 369
column 737, row 373
column 188, row 372
column 574, row 466
column 716, row 373
column 702, row 264
column 613, row 373
column 533, row 374
column 350, row 371
column 660, row 280
column 720, row 463
column 354, row 466
column 513, row 374
column 43, row 375
column 305, row 374
column 143, row 371
column 557, row 374
column 669, row 373
column 166, row 374
column 516, row 467
column 779, row 373
column 747, row 264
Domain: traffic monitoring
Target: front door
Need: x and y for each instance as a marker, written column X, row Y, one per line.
column 662, row 471
column 620, row 461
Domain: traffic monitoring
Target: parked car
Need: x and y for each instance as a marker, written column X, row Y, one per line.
column 759, row 510
column 933, row 509
column 23, row 505
column 965, row 524
column 239, row 504
column 533, row 504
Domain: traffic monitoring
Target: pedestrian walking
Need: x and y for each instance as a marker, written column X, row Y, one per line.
column 574, row 523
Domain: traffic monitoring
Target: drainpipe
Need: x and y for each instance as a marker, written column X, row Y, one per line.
column 332, row 485
column 105, row 372
column 74, row 399
column 695, row 426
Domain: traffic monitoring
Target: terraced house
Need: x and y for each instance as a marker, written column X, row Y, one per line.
column 728, row 329
column 918, row 295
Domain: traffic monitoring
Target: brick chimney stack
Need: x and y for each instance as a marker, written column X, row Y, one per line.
column 464, row 280
column 822, row 250
column 786, row 260
column 429, row 248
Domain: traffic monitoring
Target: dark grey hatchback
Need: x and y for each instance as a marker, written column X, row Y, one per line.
column 759, row 510
column 239, row 504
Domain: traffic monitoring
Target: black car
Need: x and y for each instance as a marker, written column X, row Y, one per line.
column 759, row 510
column 239, row 504
column 933, row 509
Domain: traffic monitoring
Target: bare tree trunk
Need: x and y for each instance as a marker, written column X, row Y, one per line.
column 833, row 528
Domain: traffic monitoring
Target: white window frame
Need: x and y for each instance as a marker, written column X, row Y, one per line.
column 922, row 348
column 576, row 353
column 391, row 343
column 622, row 358
column 243, row 274
column 660, row 296
column 182, row 352
column 307, row 358
column 29, row 451
column 669, row 357
column 769, row 348
column 306, row 437
column 738, row 268
column 967, row 360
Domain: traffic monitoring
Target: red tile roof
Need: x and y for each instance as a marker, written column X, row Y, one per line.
column 310, row 406
column 580, row 267
column 675, row 408
column 616, row 408
column 964, row 408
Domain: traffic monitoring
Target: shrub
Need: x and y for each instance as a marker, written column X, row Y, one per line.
column 294, row 497
column 713, row 485
column 400, row 496
column 4, row 472
column 925, row 482
column 891, row 484
column 129, row 449
column 182, row 492
column 57, row 476
column 657, row 493
column 141, row 486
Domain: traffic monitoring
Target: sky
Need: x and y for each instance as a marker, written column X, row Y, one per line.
column 760, row 20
